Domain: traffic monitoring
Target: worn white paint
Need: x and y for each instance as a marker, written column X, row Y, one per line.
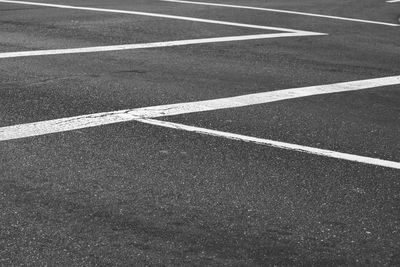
column 288, row 11
column 284, row 32
column 145, row 114
column 148, row 14
column 149, row 45
column 277, row 144
column 104, row 118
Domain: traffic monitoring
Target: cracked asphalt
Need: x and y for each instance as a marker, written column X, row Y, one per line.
column 131, row 194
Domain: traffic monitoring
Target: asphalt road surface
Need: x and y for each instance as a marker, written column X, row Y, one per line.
column 87, row 181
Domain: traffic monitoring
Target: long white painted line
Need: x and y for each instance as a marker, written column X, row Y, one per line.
column 276, row 144
column 155, row 15
column 288, row 12
column 104, row 118
column 149, row 45
column 393, row 1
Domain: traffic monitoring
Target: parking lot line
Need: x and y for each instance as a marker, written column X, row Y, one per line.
column 145, row 114
column 288, row 11
column 151, row 45
column 243, row 25
column 284, row 32
column 276, row 144
column 104, row 118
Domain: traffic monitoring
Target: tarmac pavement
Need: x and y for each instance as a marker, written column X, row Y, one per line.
column 131, row 193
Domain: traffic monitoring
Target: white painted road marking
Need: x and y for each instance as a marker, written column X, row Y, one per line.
column 289, row 11
column 144, row 115
column 150, row 45
column 104, row 118
column 276, row 144
column 393, row 1
column 243, row 25
column 285, row 32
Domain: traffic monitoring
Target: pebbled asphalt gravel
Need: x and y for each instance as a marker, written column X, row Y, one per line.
column 135, row 194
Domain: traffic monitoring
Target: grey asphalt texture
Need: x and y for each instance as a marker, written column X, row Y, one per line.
column 132, row 194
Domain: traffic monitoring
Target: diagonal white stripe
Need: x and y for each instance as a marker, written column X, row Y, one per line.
column 277, row 144
column 98, row 119
column 149, row 45
column 155, row 15
column 288, row 11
